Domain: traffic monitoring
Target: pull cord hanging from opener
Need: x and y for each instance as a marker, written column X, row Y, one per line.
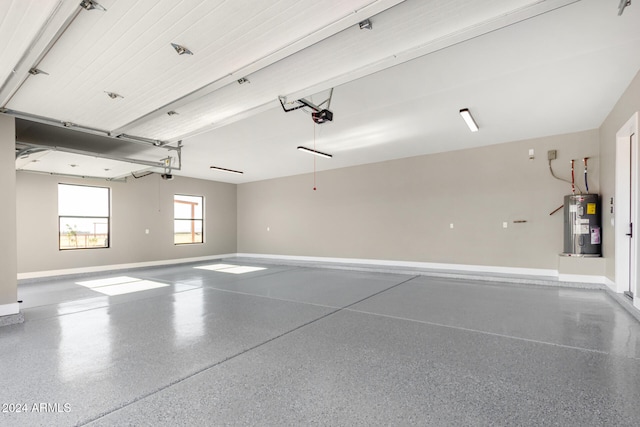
column 314, row 157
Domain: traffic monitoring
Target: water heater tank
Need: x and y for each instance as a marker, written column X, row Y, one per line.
column 582, row 227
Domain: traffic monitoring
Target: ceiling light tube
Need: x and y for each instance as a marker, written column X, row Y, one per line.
column 468, row 118
column 314, row 152
column 226, row 170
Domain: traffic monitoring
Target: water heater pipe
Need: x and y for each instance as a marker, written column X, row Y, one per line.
column 573, row 177
column 586, row 183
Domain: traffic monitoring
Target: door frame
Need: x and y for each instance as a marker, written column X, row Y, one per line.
column 623, row 263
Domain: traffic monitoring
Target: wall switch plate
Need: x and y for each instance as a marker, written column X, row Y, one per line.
column 505, row 224
column 552, row 154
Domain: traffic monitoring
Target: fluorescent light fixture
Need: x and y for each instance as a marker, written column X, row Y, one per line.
column 468, row 118
column 225, row 170
column 317, row 153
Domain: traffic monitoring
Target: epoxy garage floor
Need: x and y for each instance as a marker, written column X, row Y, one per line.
column 216, row 344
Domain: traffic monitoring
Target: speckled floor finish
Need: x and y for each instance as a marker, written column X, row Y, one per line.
column 291, row 345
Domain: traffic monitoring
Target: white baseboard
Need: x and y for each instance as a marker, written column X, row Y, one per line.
column 411, row 264
column 610, row 284
column 9, row 309
column 583, row 278
column 439, row 267
column 101, row 268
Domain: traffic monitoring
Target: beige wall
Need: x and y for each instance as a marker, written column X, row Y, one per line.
column 8, row 283
column 628, row 104
column 401, row 209
column 138, row 204
column 395, row 210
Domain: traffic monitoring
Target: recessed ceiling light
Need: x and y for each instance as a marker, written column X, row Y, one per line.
column 181, row 50
column 314, row 152
column 226, row 170
column 91, row 5
column 468, row 118
column 113, row 95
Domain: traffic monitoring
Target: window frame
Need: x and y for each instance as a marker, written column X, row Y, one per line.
column 107, row 218
column 192, row 219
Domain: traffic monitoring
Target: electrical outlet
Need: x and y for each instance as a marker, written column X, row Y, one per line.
column 552, row 154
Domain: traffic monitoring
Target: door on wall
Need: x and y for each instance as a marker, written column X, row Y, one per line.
column 626, row 211
column 632, row 210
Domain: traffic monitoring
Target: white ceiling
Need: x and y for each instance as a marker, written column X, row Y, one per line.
column 524, row 68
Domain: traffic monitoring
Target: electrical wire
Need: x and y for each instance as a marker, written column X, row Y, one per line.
column 560, row 179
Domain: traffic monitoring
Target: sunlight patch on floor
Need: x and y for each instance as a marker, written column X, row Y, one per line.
column 120, row 285
column 233, row 269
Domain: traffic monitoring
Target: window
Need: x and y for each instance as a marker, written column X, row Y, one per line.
column 187, row 219
column 83, row 217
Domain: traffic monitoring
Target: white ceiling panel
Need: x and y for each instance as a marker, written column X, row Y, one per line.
column 61, row 163
column 127, row 50
column 526, row 69
column 345, row 56
column 546, row 76
column 20, row 23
